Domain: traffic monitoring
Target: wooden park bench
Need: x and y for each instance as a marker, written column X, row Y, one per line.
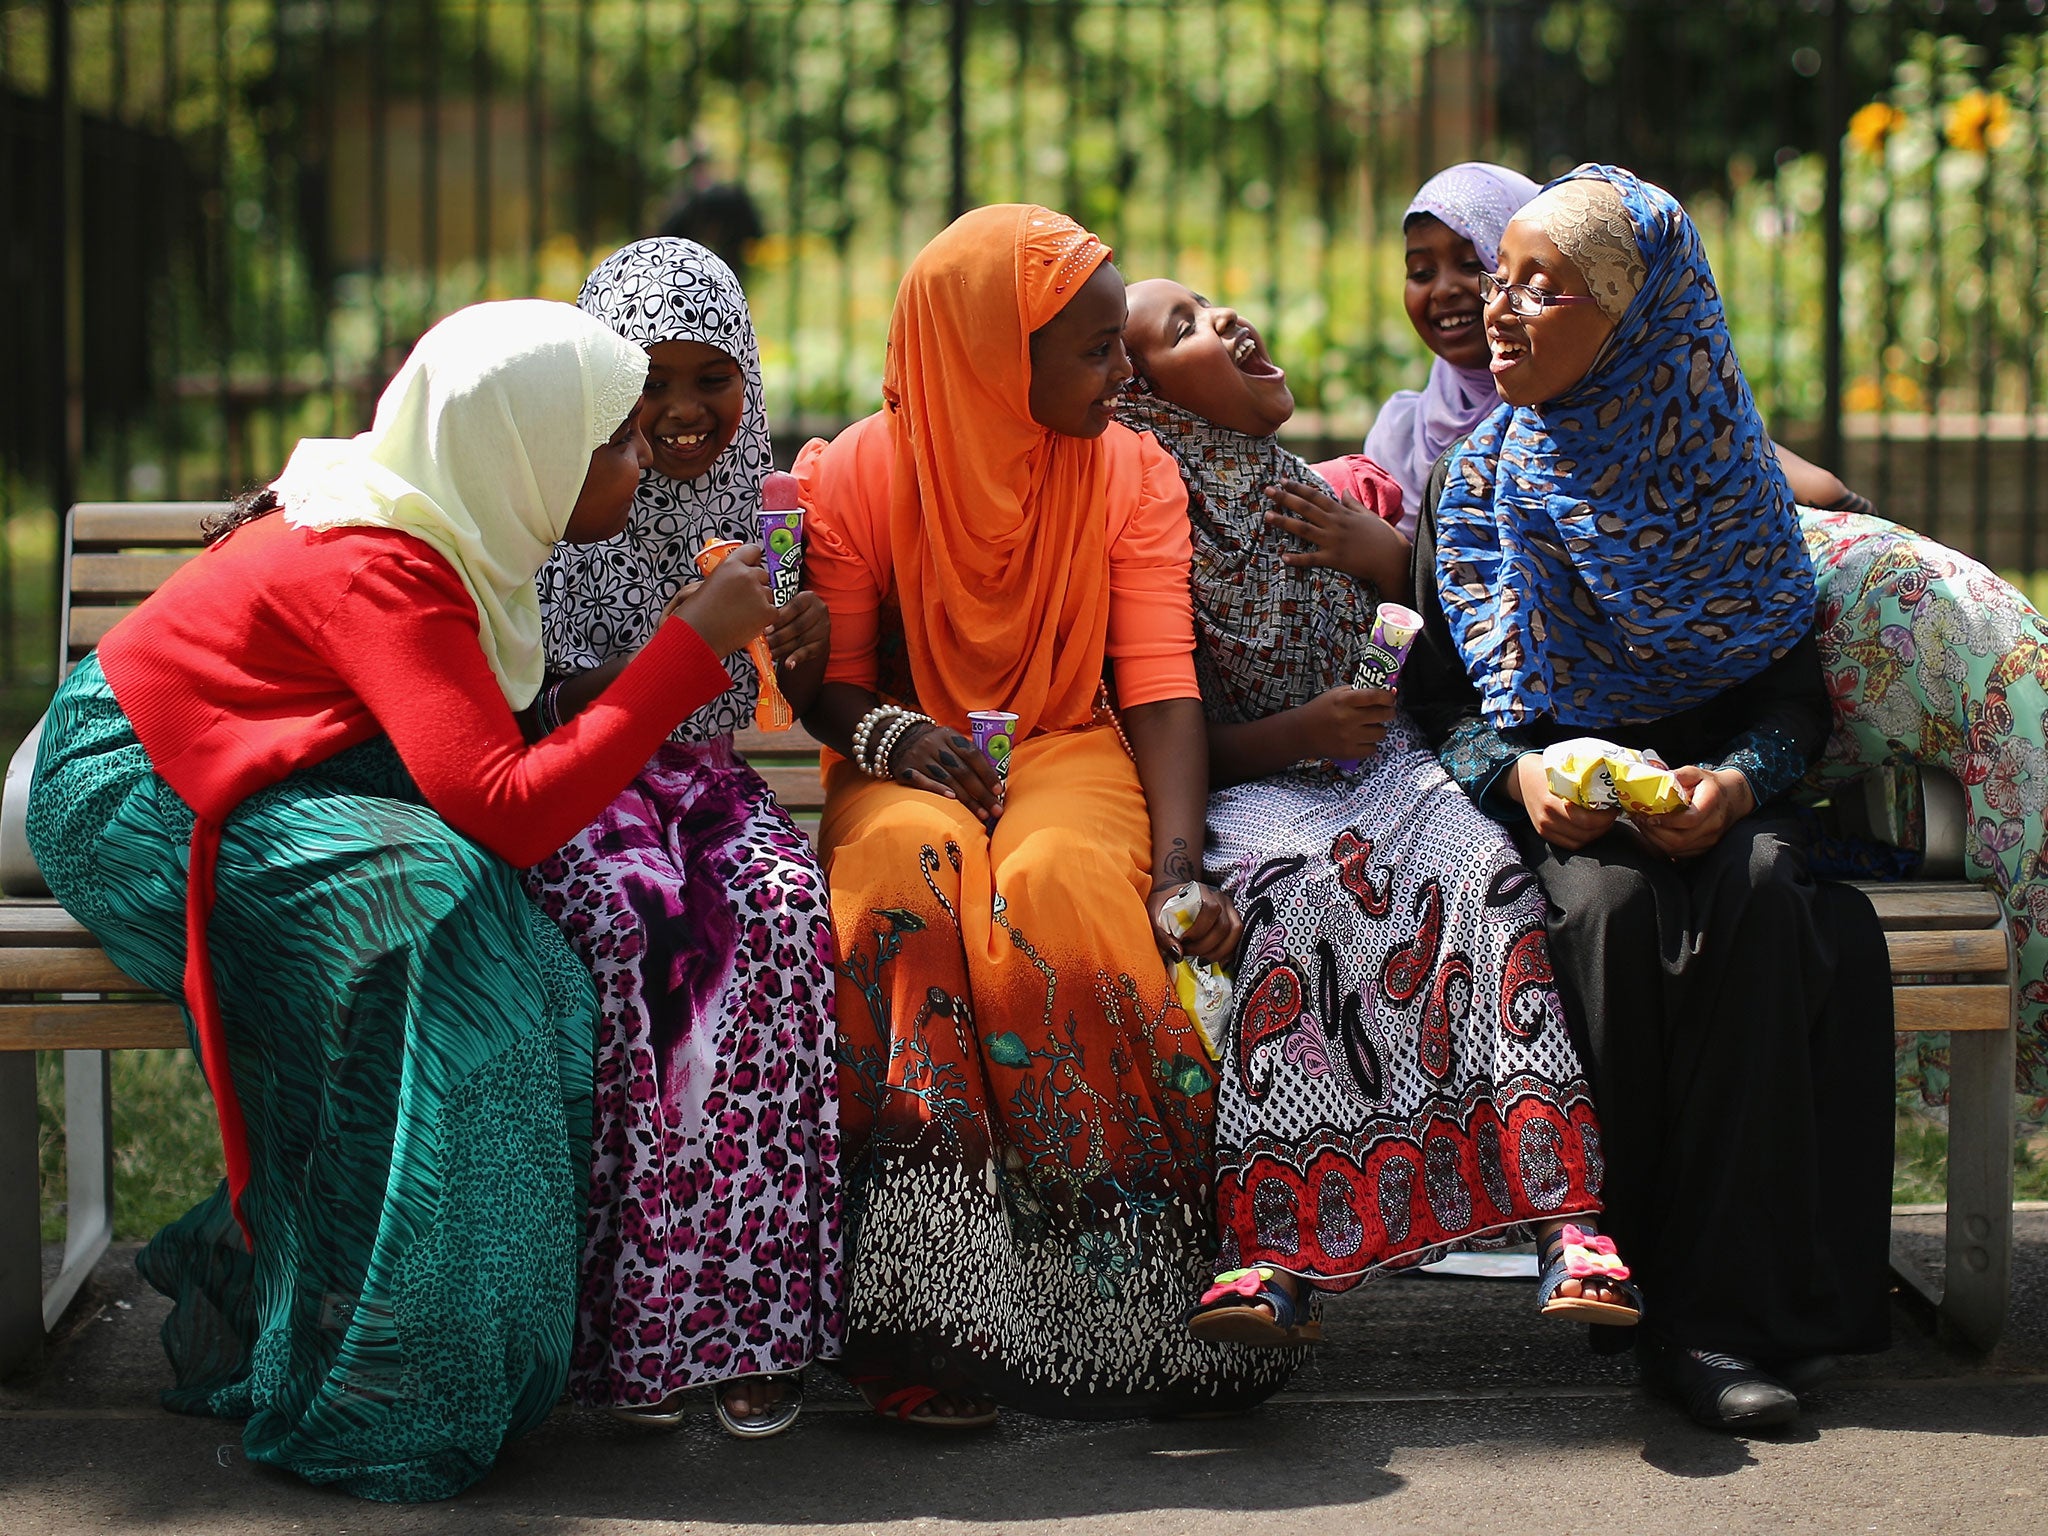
column 1951, row 955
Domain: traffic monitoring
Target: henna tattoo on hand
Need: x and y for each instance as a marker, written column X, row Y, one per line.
column 1177, row 866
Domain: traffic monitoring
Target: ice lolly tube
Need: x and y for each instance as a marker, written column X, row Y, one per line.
column 771, row 709
column 782, row 536
column 995, row 732
column 1394, row 629
column 1393, row 633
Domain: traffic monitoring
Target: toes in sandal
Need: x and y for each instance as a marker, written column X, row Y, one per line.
column 910, row 1403
column 1587, row 1256
column 777, row 1417
column 1234, row 1310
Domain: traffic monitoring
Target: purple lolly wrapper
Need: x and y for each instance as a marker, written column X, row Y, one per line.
column 1393, row 633
column 994, row 734
column 782, row 543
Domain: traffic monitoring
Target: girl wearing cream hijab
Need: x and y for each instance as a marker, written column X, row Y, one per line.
column 291, row 790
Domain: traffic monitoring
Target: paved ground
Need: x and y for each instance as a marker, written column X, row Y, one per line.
column 1437, row 1406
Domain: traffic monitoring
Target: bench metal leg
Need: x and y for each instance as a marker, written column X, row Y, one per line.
column 27, row 1311
column 88, row 1175
column 21, row 1226
column 1980, row 1128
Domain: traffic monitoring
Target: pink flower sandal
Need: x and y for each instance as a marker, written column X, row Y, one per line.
column 1575, row 1254
column 1234, row 1311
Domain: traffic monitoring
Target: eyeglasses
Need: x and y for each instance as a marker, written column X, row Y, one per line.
column 1524, row 300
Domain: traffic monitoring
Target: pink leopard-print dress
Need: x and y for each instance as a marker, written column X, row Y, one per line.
column 712, row 1248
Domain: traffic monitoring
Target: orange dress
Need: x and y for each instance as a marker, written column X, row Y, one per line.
column 1026, row 1111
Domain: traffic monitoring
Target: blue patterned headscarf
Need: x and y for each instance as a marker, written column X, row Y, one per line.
column 1629, row 549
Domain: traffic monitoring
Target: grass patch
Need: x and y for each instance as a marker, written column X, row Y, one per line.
column 166, row 1141
column 1920, row 1163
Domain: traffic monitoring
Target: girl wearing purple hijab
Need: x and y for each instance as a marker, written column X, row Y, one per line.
column 1453, row 231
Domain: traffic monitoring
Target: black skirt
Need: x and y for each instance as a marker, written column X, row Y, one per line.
column 1735, row 1016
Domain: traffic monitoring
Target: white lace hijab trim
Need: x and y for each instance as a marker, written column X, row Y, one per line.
column 1587, row 221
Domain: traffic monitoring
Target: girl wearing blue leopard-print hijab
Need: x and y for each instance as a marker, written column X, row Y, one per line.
column 1629, row 546
column 1614, row 552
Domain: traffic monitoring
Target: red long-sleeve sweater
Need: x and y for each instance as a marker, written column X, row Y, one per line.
column 280, row 646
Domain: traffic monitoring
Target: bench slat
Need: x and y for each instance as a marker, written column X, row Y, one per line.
column 35, row 923
column 128, row 576
column 1944, row 905
column 92, row 1027
column 753, row 742
column 89, row 626
column 797, row 788
column 1950, row 951
column 136, row 523
column 74, row 968
column 1951, row 1009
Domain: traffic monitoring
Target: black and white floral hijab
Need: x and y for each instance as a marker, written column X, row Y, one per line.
column 603, row 600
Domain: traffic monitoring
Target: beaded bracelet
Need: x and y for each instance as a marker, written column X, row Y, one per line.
column 893, row 738
column 871, row 754
column 865, row 728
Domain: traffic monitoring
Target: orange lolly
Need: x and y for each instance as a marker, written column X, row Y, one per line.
column 771, row 709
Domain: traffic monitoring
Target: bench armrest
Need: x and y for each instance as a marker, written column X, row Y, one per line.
column 18, row 873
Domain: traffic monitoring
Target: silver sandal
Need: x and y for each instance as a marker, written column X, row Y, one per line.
column 778, row 1417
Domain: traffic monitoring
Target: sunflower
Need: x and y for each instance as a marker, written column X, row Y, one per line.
column 1979, row 120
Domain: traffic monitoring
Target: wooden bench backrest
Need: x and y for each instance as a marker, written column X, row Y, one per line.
column 117, row 553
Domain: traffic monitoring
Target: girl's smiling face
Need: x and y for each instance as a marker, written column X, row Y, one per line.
column 1206, row 359
column 691, row 406
column 1442, row 292
column 1536, row 358
column 1078, row 362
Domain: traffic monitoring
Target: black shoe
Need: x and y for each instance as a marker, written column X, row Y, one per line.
column 1719, row 1391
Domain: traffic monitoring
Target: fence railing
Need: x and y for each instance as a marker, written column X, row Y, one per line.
column 227, row 219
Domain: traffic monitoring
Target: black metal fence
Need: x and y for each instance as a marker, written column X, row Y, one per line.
column 227, row 219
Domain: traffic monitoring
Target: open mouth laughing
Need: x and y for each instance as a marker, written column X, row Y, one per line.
column 1250, row 356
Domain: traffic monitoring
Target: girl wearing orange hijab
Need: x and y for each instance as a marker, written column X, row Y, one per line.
column 1026, row 1109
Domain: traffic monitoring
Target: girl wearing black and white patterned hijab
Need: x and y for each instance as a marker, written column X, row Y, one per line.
column 602, row 601
column 700, row 910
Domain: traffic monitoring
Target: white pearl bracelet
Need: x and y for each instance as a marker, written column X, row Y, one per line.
column 871, row 752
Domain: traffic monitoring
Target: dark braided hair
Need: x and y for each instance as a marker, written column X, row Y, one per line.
column 257, row 501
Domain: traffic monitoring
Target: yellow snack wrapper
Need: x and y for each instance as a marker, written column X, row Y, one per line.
column 1646, row 788
column 1604, row 777
column 1578, row 772
column 1204, row 989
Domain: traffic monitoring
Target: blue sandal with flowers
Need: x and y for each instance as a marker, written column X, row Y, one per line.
column 1248, row 1306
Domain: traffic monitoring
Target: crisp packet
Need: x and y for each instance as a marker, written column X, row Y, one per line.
column 1604, row 777
column 1202, row 986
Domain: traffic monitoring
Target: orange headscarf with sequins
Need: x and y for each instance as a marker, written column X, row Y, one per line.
column 997, row 526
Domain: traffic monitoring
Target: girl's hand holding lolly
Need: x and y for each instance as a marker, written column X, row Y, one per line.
column 731, row 606
column 771, row 710
column 1346, row 724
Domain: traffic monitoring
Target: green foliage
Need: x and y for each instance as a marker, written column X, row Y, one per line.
column 1944, row 213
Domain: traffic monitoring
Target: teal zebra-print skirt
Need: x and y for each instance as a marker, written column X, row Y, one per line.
column 412, row 1043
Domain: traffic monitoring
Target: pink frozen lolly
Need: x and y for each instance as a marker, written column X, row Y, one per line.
column 779, row 493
